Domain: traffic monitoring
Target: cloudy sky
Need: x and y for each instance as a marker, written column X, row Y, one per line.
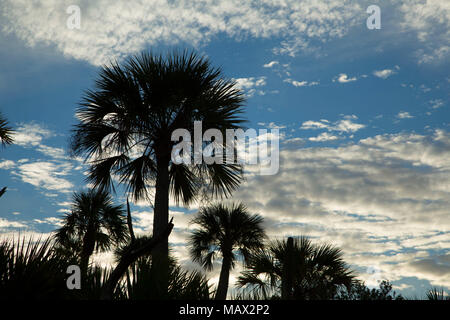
column 363, row 115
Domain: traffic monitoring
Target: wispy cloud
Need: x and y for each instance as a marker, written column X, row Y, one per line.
column 271, row 64
column 346, row 125
column 296, row 83
column 46, row 175
column 324, row 136
column 404, row 115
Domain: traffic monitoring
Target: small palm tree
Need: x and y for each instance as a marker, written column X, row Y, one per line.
column 5, row 132
column 296, row 269
column 224, row 230
column 94, row 223
column 31, row 269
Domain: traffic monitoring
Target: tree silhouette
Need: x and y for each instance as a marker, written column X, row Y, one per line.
column 94, row 223
column 224, row 230
column 5, row 132
column 296, row 268
column 127, row 121
column 5, row 139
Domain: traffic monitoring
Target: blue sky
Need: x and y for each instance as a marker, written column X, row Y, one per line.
column 363, row 116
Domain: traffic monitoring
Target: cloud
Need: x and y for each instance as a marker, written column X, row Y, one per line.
column 431, row 21
column 7, row 164
column 310, row 124
column 271, row 64
column 346, row 125
column 385, row 73
column 6, row 224
column 436, row 104
column 404, row 115
column 117, row 29
column 384, row 200
column 113, row 30
column 324, row 136
column 301, row 83
column 30, row 134
column 46, row 175
column 251, row 84
column 343, row 78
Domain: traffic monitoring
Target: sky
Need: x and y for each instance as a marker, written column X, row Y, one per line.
column 363, row 116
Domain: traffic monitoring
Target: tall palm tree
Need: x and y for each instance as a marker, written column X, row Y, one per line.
column 127, row 121
column 223, row 231
column 296, row 269
column 94, row 223
column 5, row 132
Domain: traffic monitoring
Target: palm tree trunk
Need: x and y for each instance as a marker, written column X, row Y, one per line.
column 222, row 287
column 87, row 251
column 287, row 277
column 130, row 257
column 160, row 219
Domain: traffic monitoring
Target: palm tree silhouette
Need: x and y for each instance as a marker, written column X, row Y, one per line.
column 5, row 132
column 94, row 224
column 224, row 230
column 298, row 269
column 127, row 121
column 5, row 139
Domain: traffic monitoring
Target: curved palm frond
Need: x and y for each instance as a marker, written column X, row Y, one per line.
column 5, row 132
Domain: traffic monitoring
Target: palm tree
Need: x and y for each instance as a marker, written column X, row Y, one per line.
column 224, row 230
column 5, row 138
column 5, row 132
column 298, row 269
column 94, row 223
column 127, row 121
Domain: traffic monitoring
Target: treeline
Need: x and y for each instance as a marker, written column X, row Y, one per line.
column 294, row 268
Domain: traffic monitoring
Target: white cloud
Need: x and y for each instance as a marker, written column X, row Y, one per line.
column 346, row 125
column 46, row 175
column 30, row 134
column 385, row 194
column 404, row 115
column 5, row 224
column 116, row 29
column 384, row 74
column 296, row 83
column 310, row 124
column 343, row 78
column 324, row 136
column 271, row 64
column 251, row 82
column 7, row 164
column 431, row 21
column 437, row 103
column 58, row 222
